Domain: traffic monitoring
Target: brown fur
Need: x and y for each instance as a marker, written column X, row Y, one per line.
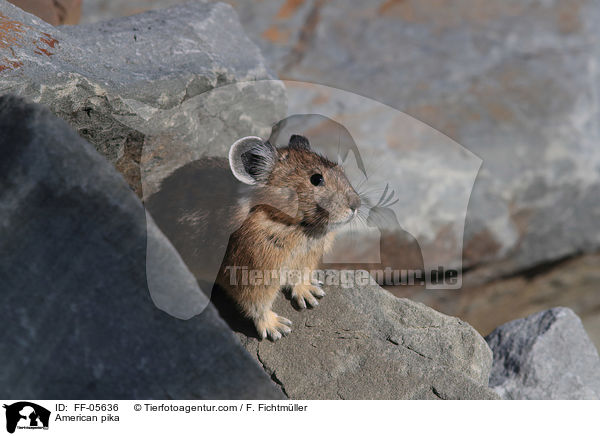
column 283, row 223
column 279, row 237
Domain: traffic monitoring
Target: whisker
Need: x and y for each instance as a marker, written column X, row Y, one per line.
column 369, row 190
column 383, row 195
column 359, row 185
column 393, row 202
column 389, row 197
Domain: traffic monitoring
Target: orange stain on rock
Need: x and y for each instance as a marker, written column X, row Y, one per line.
column 49, row 40
column 273, row 34
column 321, row 98
column 41, row 51
column 568, row 16
column 401, row 7
column 288, row 9
column 11, row 32
column 9, row 64
column 15, row 64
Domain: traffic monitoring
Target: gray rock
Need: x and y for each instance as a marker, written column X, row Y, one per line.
column 513, row 82
column 546, row 356
column 77, row 319
column 138, row 87
column 363, row 343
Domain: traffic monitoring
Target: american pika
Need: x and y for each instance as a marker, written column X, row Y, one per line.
column 281, row 218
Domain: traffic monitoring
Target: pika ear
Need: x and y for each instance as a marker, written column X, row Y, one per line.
column 299, row 142
column 251, row 160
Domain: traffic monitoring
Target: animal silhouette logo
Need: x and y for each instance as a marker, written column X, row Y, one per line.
column 26, row 415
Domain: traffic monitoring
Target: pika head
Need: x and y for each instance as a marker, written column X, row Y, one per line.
column 324, row 197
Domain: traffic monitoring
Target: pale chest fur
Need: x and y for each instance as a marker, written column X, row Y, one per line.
column 295, row 249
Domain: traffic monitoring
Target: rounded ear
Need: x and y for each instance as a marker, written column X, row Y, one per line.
column 251, row 160
column 299, row 142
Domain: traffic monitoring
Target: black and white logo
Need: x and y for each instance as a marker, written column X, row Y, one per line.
column 26, row 415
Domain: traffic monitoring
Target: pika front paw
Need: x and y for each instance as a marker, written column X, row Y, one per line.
column 305, row 294
column 273, row 326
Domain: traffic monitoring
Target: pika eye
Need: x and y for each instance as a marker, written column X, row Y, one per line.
column 317, row 179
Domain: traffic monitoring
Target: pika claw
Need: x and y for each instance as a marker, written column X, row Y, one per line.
column 318, row 292
column 312, row 301
column 273, row 326
column 284, row 321
column 305, row 295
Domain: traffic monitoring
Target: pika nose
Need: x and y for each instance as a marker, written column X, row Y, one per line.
column 354, row 202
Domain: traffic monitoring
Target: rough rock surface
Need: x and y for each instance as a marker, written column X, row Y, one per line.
column 363, row 343
column 77, row 319
column 572, row 283
column 545, row 356
column 137, row 88
column 513, row 82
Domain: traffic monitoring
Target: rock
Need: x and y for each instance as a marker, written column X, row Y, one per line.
column 138, row 88
column 514, row 83
column 427, row 206
column 571, row 283
column 363, row 343
column 517, row 92
column 78, row 321
column 546, row 356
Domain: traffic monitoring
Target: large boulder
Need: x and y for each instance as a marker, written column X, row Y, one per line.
column 78, row 321
column 363, row 343
column 139, row 88
column 512, row 82
column 546, row 356
column 75, row 277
